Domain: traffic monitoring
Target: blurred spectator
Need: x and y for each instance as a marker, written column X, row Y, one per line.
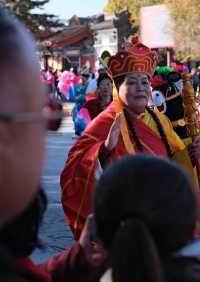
column 92, row 87
column 51, row 79
column 23, row 201
column 195, row 79
column 80, row 101
column 96, row 105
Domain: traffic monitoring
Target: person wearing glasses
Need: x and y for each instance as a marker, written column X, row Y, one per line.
column 22, row 200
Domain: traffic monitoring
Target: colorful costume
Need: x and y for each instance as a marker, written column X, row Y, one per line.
column 98, row 102
column 90, row 110
column 82, row 163
column 170, row 100
column 79, row 122
column 89, row 155
column 167, row 96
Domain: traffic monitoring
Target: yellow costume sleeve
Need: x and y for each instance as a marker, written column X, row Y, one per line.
column 180, row 151
column 174, row 140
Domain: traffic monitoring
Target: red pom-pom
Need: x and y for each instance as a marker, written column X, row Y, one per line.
column 157, row 81
column 179, row 68
column 134, row 40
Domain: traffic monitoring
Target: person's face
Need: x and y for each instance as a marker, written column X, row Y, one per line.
column 102, row 71
column 22, row 145
column 135, row 91
column 105, row 90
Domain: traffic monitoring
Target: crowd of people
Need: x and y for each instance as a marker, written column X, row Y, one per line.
column 166, row 84
column 131, row 206
column 70, row 86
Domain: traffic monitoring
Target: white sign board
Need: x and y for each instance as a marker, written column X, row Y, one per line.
column 156, row 30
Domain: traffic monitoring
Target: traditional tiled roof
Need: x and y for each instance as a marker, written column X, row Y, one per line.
column 71, row 35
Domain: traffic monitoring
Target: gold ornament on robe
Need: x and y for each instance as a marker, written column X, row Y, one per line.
column 191, row 117
column 190, row 109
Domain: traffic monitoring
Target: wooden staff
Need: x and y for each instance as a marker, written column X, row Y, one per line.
column 191, row 114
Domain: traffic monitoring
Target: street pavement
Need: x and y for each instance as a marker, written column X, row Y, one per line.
column 55, row 233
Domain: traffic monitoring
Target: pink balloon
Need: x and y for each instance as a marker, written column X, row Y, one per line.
column 64, row 87
column 65, row 77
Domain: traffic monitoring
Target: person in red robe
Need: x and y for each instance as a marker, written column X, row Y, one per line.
column 127, row 126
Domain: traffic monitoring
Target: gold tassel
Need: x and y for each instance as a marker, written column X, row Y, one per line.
column 191, row 117
column 190, row 109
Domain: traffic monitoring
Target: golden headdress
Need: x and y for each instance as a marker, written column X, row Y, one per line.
column 135, row 57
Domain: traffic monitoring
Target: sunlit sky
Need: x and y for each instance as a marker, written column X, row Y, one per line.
column 67, row 8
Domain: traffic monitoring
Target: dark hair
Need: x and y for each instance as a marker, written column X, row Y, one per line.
column 86, row 75
column 173, row 76
column 102, row 77
column 119, row 80
column 144, row 211
column 161, row 131
column 20, row 236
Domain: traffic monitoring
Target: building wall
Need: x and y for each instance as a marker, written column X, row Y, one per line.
column 109, row 32
column 106, row 40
